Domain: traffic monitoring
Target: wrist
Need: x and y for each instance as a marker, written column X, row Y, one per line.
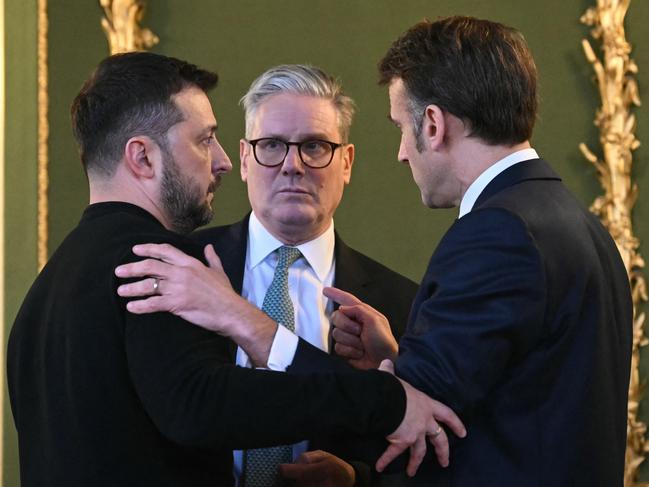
column 253, row 330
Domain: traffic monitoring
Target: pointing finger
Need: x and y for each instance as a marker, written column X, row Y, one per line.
column 340, row 296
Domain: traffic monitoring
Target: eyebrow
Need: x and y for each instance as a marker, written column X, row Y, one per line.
column 301, row 137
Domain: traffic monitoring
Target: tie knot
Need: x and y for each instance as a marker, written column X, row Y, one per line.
column 287, row 255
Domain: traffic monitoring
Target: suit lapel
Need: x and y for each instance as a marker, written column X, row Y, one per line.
column 231, row 247
column 230, row 243
column 350, row 276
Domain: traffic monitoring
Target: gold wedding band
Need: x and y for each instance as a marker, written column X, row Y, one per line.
column 156, row 285
column 437, row 432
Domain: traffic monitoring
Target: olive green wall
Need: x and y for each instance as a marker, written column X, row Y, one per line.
column 240, row 38
column 19, row 264
column 381, row 213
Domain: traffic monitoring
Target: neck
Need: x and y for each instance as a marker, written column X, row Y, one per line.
column 293, row 235
column 475, row 157
column 128, row 191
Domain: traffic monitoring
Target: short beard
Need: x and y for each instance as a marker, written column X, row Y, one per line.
column 185, row 206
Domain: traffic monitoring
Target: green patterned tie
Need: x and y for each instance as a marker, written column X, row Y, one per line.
column 261, row 464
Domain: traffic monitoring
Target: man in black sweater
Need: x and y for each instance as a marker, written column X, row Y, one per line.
column 101, row 396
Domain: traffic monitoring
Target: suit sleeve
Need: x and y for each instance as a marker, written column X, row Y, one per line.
column 309, row 359
column 196, row 397
column 480, row 308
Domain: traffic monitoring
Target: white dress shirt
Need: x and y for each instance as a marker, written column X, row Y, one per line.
column 307, row 276
column 481, row 182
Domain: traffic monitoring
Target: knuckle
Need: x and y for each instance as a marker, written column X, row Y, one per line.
column 143, row 267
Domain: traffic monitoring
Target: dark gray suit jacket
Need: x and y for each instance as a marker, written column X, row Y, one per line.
column 370, row 281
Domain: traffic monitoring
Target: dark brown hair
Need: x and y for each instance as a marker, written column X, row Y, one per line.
column 128, row 95
column 480, row 71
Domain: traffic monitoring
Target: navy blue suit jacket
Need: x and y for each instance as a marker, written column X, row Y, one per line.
column 523, row 326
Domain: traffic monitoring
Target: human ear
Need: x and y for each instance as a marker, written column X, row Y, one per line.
column 142, row 156
column 244, row 152
column 348, row 151
column 433, row 126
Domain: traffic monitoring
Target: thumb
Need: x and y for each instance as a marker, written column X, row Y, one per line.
column 387, row 366
column 212, row 259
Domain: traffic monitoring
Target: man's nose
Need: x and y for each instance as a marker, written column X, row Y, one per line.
column 220, row 161
column 402, row 156
column 292, row 162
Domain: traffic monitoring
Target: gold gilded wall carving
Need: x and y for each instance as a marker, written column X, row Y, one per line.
column 43, row 135
column 614, row 73
column 121, row 25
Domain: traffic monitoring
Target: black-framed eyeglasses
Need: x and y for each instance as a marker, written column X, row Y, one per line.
column 314, row 153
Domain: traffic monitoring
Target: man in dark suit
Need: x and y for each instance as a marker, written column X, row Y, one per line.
column 523, row 320
column 294, row 200
column 104, row 397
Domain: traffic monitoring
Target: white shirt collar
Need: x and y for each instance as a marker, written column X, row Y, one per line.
column 319, row 252
column 481, row 182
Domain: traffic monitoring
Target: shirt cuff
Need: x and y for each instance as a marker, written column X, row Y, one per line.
column 282, row 351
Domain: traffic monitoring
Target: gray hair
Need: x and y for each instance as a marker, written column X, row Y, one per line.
column 299, row 79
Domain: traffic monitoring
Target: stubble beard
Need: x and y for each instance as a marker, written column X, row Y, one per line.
column 181, row 198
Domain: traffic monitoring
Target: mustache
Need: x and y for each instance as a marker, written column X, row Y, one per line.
column 216, row 182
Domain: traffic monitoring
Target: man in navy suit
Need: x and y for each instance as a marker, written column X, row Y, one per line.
column 523, row 321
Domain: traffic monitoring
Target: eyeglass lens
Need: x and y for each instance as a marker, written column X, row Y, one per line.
column 312, row 152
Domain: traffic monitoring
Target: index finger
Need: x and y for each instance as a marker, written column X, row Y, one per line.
column 164, row 252
column 391, row 452
column 141, row 268
column 340, row 296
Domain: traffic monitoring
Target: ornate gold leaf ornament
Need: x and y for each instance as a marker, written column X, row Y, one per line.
column 618, row 89
column 43, row 135
column 121, row 25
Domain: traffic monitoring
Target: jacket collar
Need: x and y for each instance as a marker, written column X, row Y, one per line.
column 523, row 171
